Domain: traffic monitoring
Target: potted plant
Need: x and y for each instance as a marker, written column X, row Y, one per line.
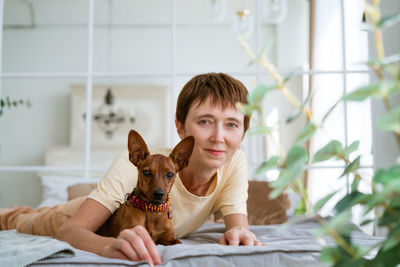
column 385, row 185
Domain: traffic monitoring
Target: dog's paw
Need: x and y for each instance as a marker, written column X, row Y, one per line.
column 171, row 242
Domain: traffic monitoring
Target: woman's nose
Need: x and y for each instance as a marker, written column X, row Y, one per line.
column 218, row 134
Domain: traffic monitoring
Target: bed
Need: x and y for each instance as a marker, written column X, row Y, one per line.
column 286, row 244
column 294, row 245
column 291, row 245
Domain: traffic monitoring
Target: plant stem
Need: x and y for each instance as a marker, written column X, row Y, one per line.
column 270, row 68
column 338, row 239
column 342, row 243
column 381, row 55
column 391, row 210
column 379, row 44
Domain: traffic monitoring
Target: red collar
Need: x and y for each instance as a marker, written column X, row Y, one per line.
column 141, row 204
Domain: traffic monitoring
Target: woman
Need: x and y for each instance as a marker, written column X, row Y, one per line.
column 215, row 178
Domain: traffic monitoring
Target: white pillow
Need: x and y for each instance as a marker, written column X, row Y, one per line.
column 55, row 188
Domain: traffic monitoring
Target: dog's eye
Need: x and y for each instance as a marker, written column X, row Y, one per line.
column 146, row 172
column 170, row 175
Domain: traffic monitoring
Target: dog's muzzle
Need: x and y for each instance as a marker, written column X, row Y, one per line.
column 158, row 195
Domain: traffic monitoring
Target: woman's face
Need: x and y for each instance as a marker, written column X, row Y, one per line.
column 218, row 133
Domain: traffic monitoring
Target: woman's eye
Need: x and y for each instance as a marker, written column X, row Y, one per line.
column 170, row 175
column 204, row 122
column 233, row 125
column 146, row 172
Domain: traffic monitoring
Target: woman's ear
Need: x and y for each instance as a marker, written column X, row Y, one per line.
column 179, row 129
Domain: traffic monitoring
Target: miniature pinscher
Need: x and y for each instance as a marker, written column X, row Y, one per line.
column 148, row 204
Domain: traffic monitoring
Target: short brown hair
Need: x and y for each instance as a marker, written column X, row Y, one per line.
column 224, row 90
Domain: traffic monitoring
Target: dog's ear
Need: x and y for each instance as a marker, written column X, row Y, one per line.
column 138, row 150
column 181, row 153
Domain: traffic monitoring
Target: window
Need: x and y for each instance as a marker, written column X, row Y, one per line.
column 50, row 46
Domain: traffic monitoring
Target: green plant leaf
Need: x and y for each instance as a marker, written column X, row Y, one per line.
column 266, row 48
column 351, row 148
column 347, row 201
column 246, row 109
column 391, row 121
column 272, row 163
column 294, row 115
column 353, row 166
column 387, row 21
column 386, row 257
column 356, row 182
column 292, row 169
column 388, row 191
column 301, row 207
column 257, row 95
column 321, row 203
column 390, row 88
column 385, row 176
column 306, row 133
column 288, row 77
column 330, row 110
column 332, row 149
column 286, row 177
column 299, row 110
column 393, row 239
column 371, row 90
column 262, row 130
column 389, row 218
column 331, row 255
column 297, row 157
column 389, row 63
column 341, row 223
column 366, row 222
column 375, row 89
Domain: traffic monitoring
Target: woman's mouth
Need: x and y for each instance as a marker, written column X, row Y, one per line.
column 215, row 153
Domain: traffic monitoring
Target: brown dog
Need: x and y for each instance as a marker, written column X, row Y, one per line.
column 148, row 204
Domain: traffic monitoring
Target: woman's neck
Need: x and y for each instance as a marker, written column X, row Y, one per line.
column 195, row 181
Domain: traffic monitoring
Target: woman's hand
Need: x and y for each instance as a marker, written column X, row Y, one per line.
column 133, row 244
column 238, row 232
column 240, row 236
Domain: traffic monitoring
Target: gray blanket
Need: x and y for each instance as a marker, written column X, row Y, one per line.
column 294, row 246
column 18, row 249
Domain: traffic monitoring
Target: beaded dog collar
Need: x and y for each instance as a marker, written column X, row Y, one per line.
column 141, row 204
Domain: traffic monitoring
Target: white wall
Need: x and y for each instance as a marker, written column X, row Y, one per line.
column 141, row 42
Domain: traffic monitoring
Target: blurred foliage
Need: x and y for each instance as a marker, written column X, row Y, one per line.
column 384, row 198
column 7, row 103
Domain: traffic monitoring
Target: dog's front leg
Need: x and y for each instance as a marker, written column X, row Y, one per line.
column 168, row 241
column 167, row 237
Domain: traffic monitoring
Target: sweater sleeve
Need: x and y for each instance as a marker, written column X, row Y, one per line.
column 120, row 179
column 233, row 195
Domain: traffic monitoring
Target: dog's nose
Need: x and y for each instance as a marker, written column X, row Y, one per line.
column 158, row 194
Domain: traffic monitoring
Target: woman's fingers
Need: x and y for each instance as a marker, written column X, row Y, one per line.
column 235, row 237
column 230, row 238
column 127, row 246
column 223, row 241
column 247, row 240
column 149, row 244
column 115, row 250
column 124, row 251
column 136, row 244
